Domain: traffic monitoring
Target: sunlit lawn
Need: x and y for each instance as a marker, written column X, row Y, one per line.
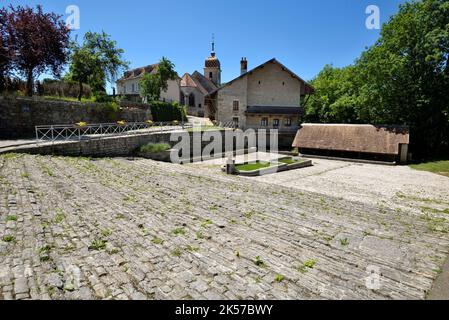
column 438, row 167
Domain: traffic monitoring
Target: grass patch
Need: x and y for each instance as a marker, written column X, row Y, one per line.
column 8, row 239
column 176, row 253
column 157, row 241
column 11, row 218
column 190, row 248
column 206, row 223
column 306, row 266
column 259, row 262
column 98, row 245
column 106, row 233
column 154, row 147
column 290, row 161
column 59, row 217
column 68, row 99
column 179, row 232
column 279, row 278
column 199, row 235
column 253, row 166
column 438, row 167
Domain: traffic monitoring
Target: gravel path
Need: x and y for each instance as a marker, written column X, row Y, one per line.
column 74, row 228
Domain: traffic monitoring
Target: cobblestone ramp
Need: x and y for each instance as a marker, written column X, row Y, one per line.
column 75, row 228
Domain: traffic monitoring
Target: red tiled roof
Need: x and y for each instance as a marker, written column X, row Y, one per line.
column 187, row 81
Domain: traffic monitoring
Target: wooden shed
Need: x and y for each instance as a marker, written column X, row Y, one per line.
column 357, row 141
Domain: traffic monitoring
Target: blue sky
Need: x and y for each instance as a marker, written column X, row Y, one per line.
column 304, row 35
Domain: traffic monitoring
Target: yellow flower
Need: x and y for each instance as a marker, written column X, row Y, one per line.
column 149, row 122
column 121, row 122
column 175, row 122
column 81, row 124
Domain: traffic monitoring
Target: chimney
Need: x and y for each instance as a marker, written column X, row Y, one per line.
column 243, row 66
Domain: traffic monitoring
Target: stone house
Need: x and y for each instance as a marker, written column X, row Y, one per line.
column 266, row 97
column 129, row 86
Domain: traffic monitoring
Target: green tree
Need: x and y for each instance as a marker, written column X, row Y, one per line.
column 96, row 62
column 335, row 98
column 405, row 75
column 84, row 66
column 152, row 84
column 403, row 79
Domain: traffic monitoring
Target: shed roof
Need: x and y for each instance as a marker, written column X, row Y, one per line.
column 353, row 138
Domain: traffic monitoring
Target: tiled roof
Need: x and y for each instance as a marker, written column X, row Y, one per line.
column 206, row 83
column 274, row 110
column 212, row 62
column 353, row 138
column 197, row 80
column 139, row 72
column 187, row 81
column 307, row 88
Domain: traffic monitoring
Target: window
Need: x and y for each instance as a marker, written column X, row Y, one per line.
column 132, row 88
column 288, row 122
column 183, row 100
column 124, row 88
column 199, row 105
column 264, row 122
column 236, row 105
column 259, row 82
column 235, row 121
column 276, row 123
column 191, row 100
column 210, row 75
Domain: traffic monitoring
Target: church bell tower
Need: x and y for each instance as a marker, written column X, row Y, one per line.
column 212, row 67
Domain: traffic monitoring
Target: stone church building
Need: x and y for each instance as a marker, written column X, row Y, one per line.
column 196, row 87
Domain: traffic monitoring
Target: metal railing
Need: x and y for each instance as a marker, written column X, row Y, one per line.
column 75, row 132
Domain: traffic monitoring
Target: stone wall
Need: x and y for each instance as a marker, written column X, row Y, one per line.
column 236, row 91
column 128, row 145
column 19, row 116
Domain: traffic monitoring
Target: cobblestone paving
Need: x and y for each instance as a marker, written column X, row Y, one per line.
column 74, row 228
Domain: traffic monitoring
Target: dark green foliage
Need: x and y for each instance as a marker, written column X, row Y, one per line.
column 154, row 147
column 95, row 62
column 403, row 79
column 153, row 84
column 166, row 112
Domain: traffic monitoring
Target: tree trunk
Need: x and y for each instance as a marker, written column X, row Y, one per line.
column 80, row 95
column 30, row 83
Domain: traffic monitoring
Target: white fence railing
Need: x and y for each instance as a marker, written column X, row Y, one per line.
column 75, row 132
